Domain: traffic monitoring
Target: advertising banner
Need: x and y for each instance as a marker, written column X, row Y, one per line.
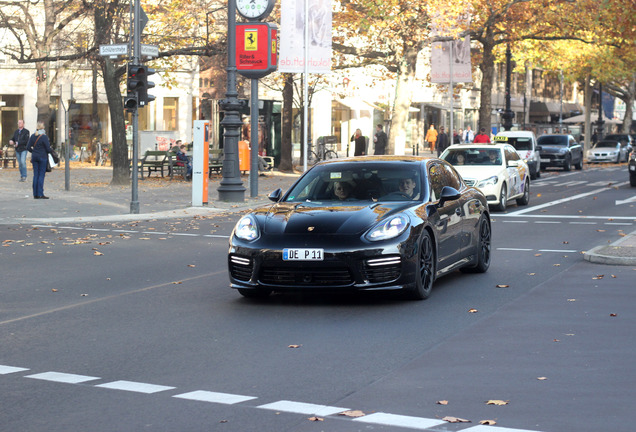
column 442, row 57
column 292, row 35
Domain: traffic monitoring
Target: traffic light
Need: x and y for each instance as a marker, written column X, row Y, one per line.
column 133, row 86
column 142, row 74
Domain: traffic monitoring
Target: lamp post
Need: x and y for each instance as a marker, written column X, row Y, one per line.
column 231, row 187
column 600, row 122
column 508, row 114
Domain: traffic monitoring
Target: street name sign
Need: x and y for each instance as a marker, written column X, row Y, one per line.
column 149, row 50
column 113, row 50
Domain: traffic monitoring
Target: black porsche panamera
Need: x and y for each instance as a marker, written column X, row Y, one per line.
column 366, row 223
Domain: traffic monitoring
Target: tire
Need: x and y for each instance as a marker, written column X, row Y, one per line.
column 484, row 248
column 579, row 164
column 567, row 165
column 330, row 154
column 312, row 158
column 254, row 293
column 503, row 199
column 525, row 199
column 618, row 159
column 425, row 269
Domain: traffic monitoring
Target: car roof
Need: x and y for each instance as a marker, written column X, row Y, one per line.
column 383, row 158
column 516, row 133
column 479, row 146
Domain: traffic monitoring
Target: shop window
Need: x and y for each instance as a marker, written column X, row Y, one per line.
column 170, row 113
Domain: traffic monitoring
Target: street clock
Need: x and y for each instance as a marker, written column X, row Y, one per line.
column 255, row 10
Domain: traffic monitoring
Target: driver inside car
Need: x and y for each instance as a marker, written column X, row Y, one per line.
column 407, row 187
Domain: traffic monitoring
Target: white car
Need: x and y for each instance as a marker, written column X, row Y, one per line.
column 608, row 151
column 525, row 143
column 495, row 169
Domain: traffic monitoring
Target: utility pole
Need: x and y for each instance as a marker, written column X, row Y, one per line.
column 134, row 201
column 508, row 114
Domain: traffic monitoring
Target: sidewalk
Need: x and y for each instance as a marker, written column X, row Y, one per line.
column 92, row 199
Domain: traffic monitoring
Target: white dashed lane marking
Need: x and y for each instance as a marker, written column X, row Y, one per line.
column 214, row 397
column 302, row 408
column 399, row 420
column 135, row 387
column 380, row 418
column 62, row 377
column 124, row 231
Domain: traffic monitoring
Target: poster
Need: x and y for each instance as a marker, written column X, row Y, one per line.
column 441, row 61
column 292, row 35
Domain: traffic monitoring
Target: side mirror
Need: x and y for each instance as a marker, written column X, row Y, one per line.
column 448, row 194
column 275, row 196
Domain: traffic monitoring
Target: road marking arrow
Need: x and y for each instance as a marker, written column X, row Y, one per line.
column 625, row 201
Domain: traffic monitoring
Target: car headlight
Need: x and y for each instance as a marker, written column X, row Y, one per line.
column 490, row 181
column 614, row 153
column 388, row 229
column 246, row 229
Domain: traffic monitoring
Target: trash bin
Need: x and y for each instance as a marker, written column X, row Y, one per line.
column 244, row 155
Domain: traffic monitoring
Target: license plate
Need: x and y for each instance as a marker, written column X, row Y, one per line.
column 303, row 254
column 545, row 160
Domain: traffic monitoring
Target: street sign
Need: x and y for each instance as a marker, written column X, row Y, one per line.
column 113, row 50
column 149, row 50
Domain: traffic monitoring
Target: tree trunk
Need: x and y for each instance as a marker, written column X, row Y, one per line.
column 487, row 67
column 286, row 164
column 44, row 96
column 121, row 175
column 402, row 103
column 629, row 104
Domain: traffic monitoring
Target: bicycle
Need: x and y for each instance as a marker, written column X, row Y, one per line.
column 324, row 153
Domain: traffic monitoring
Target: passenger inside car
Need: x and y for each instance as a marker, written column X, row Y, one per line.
column 342, row 191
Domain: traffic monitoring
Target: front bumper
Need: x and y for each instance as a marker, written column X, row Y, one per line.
column 358, row 267
column 554, row 160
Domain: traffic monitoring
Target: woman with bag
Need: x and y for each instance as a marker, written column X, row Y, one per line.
column 40, row 148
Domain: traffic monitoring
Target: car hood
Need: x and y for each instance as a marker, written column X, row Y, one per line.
column 478, row 172
column 603, row 149
column 323, row 219
column 552, row 149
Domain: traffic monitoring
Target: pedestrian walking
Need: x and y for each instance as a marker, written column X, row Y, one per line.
column 360, row 147
column 457, row 137
column 431, row 137
column 482, row 137
column 380, row 140
column 442, row 141
column 20, row 140
column 468, row 135
column 39, row 147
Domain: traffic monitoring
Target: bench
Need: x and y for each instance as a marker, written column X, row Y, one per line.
column 215, row 157
column 156, row 161
column 7, row 155
column 177, row 166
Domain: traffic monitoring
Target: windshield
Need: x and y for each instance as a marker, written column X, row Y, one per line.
column 359, row 181
column 605, row 144
column 553, row 140
column 472, row 156
column 520, row 143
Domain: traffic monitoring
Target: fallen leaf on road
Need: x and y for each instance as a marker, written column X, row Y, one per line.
column 537, row 254
column 597, row 277
column 452, row 419
column 571, row 300
column 315, row 419
column 496, row 402
column 556, row 340
column 352, row 413
column 294, row 346
column 600, row 230
column 613, row 315
column 503, row 286
column 541, row 378
column 472, row 310
column 97, row 253
column 191, row 265
column 487, row 422
column 556, row 265
column 54, row 290
column 614, row 276
column 531, row 274
column 442, row 402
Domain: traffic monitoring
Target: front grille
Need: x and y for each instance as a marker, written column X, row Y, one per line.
column 323, row 276
column 241, row 268
column 381, row 270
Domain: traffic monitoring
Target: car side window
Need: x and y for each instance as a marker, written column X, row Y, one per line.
column 436, row 180
column 452, row 179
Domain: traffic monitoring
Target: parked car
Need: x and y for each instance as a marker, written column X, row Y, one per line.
column 631, row 166
column 608, row 151
column 365, row 223
column 560, row 151
column 497, row 170
column 627, row 142
column 525, row 143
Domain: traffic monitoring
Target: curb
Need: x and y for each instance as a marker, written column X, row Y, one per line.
column 614, row 253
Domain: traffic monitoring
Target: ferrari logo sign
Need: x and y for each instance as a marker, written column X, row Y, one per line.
column 251, row 40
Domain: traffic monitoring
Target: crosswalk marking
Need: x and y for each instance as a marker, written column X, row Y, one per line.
column 135, row 387
column 62, row 377
column 485, row 428
column 399, row 420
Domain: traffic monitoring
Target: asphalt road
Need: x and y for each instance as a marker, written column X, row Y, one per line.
column 132, row 327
